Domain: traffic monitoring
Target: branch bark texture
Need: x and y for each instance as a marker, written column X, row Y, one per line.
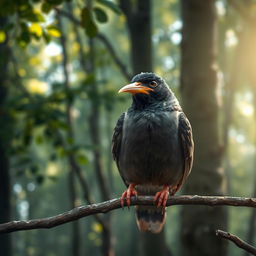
column 104, row 207
column 236, row 240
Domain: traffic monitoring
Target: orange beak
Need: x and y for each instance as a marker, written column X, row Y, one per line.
column 135, row 88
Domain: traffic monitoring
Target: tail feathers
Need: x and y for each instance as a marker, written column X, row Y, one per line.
column 150, row 218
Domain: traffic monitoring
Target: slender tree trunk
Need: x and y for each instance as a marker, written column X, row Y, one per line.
column 154, row 244
column 76, row 245
column 141, row 37
column 76, row 242
column 87, row 64
column 252, row 219
column 5, row 206
column 5, row 136
column 138, row 14
column 200, row 102
column 94, row 125
column 250, row 54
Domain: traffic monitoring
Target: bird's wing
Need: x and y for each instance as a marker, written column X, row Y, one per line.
column 187, row 144
column 117, row 141
column 117, row 138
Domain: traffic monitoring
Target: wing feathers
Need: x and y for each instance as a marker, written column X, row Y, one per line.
column 185, row 133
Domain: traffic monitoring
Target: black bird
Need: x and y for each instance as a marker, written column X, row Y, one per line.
column 153, row 147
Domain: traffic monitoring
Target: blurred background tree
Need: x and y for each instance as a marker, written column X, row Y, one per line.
column 199, row 90
column 62, row 63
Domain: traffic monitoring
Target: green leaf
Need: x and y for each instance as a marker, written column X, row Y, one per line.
column 88, row 23
column 53, row 31
column 46, row 7
column 101, row 16
column 47, row 37
column 2, row 36
column 111, row 5
column 82, row 159
column 36, row 29
column 24, row 38
column 39, row 139
column 27, row 12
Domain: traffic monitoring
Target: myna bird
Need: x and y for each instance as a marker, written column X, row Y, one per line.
column 153, row 147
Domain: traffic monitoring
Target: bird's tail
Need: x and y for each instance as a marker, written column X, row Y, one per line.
column 149, row 218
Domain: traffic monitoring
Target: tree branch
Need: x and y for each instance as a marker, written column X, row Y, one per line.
column 236, row 240
column 122, row 67
column 114, row 56
column 68, row 15
column 104, row 207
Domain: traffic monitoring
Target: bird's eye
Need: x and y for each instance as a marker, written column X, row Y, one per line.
column 153, row 84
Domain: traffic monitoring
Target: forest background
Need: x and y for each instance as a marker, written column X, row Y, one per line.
column 62, row 64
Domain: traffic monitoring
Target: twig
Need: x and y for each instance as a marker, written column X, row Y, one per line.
column 236, row 240
column 104, row 40
column 104, row 207
column 68, row 15
column 114, row 56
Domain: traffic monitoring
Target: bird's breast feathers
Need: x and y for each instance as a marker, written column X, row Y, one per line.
column 151, row 150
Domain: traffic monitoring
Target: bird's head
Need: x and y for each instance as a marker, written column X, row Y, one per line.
column 148, row 88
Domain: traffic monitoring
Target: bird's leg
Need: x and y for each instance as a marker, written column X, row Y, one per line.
column 162, row 196
column 131, row 191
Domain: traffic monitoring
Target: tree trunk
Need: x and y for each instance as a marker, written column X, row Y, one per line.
column 94, row 125
column 75, row 241
column 249, row 53
column 200, row 102
column 141, row 37
column 252, row 219
column 5, row 136
column 138, row 14
column 154, row 244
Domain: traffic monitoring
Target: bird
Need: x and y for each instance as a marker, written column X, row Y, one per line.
column 152, row 145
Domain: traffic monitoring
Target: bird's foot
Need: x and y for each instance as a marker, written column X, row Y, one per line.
column 162, row 196
column 131, row 191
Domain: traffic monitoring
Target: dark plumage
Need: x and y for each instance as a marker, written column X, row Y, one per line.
column 153, row 147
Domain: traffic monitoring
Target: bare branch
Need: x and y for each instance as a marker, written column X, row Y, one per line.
column 236, row 240
column 104, row 40
column 68, row 15
column 114, row 56
column 104, row 207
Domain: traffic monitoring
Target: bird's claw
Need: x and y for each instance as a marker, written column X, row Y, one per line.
column 161, row 197
column 126, row 196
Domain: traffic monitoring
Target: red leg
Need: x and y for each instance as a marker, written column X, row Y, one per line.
column 128, row 194
column 162, row 196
